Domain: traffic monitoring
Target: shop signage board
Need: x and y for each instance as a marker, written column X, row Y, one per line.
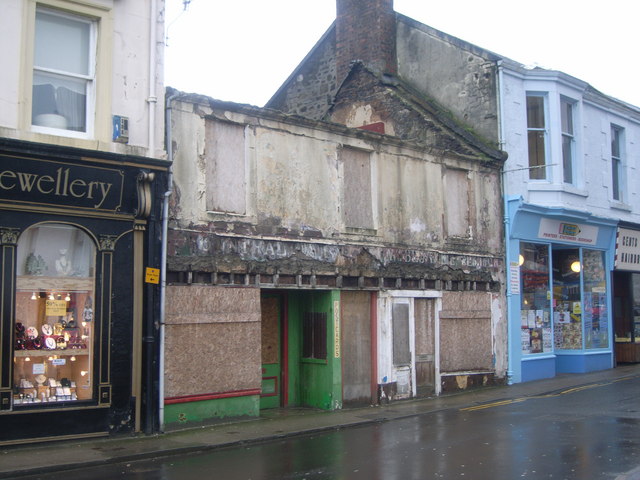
column 556, row 230
column 57, row 183
column 627, row 250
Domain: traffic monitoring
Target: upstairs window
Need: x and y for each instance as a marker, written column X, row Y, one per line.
column 568, row 141
column 63, row 71
column 358, row 197
column 536, row 135
column 616, row 163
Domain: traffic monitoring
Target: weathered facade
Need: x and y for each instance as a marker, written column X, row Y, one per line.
column 569, row 184
column 82, row 178
column 321, row 265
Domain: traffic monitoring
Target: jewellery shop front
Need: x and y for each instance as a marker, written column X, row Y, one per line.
column 560, row 291
column 77, row 340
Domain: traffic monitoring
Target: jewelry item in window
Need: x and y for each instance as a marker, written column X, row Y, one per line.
column 19, row 330
column 87, row 313
column 62, row 343
column 37, row 343
column 58, row 327
column 47, row 329
column 20, row 344
column 50, row 343
column 32, row 332
column 63, row 266
column 40, row 379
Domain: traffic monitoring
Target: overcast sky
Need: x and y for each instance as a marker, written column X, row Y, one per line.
column 243, row 50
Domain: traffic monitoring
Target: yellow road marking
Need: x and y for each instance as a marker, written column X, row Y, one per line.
column 548, row 395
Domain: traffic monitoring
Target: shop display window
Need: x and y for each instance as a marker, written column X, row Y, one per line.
column 596, row 315
column 567, row 304
column 535, row 309
column 54, row 327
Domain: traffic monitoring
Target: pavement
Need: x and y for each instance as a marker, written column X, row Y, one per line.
column 22, row 460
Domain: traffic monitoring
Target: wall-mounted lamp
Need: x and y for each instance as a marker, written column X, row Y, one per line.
column 68, row 298
column 33, row 296
column 520, row 260
column 575, row 266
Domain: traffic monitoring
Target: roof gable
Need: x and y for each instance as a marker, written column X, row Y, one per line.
column 366, row 98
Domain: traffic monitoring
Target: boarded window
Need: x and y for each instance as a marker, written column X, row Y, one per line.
column 358, row 209
column 314, row 335
column 457, row 203
column 225, row 171
column 401, row 349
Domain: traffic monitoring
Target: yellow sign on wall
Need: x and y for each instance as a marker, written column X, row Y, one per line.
column 152, row 275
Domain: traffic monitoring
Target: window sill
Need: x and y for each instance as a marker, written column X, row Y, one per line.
column 620, row 205
column 370, row 232
column 554, row 187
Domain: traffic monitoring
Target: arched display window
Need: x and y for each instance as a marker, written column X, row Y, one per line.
column 54, row 316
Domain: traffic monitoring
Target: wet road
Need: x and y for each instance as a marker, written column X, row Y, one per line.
column 585, row 433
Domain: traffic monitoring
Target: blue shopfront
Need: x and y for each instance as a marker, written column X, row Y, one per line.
column 559, row 294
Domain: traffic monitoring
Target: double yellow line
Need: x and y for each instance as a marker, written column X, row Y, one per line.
column 548, row 395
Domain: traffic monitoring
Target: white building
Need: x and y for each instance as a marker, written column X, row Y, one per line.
column 572, row 192
column 82, row 178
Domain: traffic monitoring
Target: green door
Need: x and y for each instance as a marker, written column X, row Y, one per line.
column 271, row 352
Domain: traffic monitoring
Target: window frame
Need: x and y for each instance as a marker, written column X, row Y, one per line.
column 568, row 140
column 99, row 111
column 617, row 163
column 88, row 79
column 544, row 130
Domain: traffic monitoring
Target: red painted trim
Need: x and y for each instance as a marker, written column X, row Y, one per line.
column 211, row 396
column 284, row 320
column 374, row 347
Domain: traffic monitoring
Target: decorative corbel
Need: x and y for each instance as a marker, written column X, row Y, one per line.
column 144, row 181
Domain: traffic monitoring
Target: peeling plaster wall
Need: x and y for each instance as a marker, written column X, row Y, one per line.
column 295, row 180
column 458, row 75
column 213, row 341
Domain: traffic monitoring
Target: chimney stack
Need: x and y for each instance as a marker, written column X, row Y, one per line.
column 365, row 30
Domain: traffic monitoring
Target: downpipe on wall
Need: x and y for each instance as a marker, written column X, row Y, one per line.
column 163, row 257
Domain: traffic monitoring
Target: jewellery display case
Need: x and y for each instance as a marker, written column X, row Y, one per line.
column 53, row 334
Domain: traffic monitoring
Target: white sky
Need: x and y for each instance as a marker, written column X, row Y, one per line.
column 243, row 50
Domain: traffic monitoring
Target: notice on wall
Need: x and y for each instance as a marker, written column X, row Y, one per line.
column 514, row 278
column 336, row 329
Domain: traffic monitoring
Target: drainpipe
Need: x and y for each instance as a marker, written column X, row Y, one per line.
column 152, row 99
column 506, row 222
column 163, row 256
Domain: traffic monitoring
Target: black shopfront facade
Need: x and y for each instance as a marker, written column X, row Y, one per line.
column 78, row 335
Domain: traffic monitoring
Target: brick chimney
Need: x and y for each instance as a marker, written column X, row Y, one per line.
column 366, row 30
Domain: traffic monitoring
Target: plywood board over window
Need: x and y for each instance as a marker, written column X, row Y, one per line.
column 458, row 203
column 357, row 206
column 226, row 170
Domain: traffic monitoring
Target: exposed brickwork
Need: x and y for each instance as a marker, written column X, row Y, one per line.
column 310, row 92
column 366, row 31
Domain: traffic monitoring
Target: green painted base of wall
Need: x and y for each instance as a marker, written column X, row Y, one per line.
column 211, row 410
